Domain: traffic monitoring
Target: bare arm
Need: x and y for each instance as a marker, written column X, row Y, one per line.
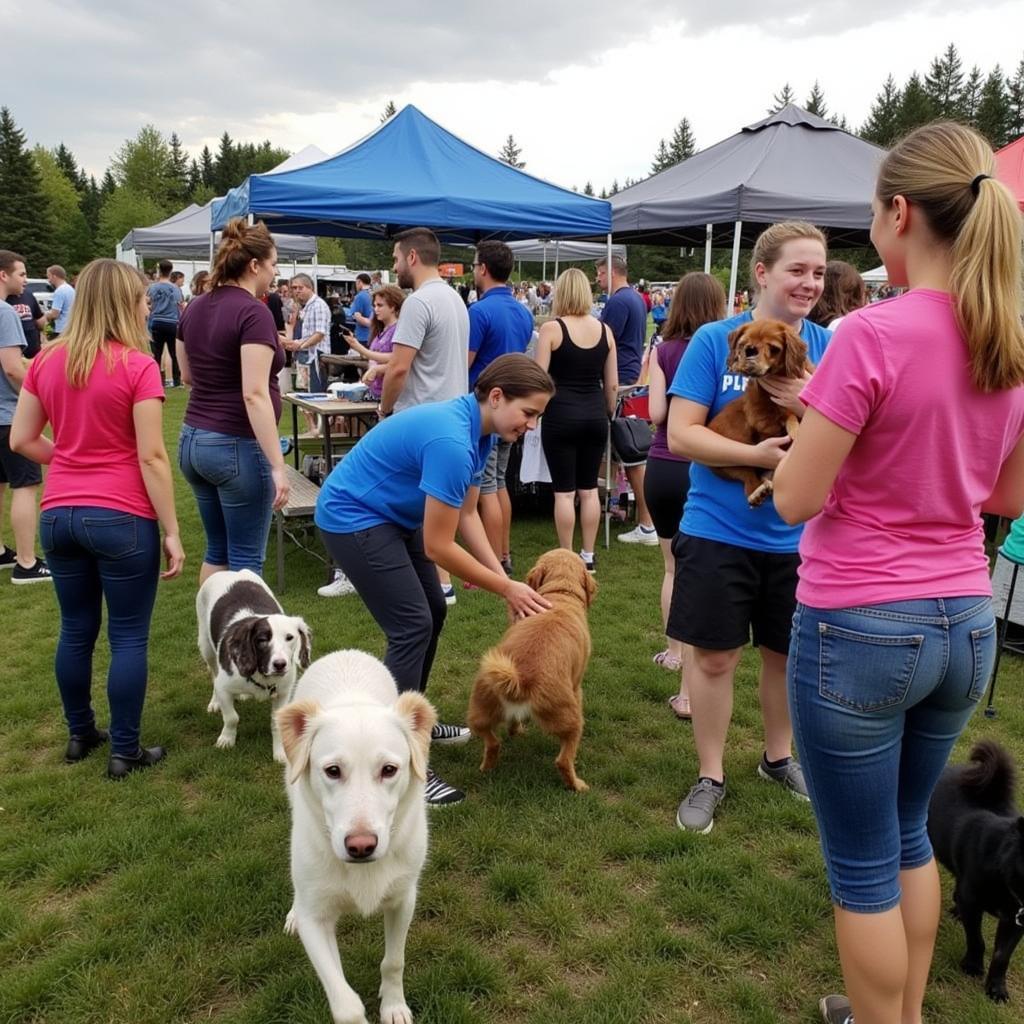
column 549, row 337
column 611, row 375
column 689, row 437
column 256, row 363
column 1007, row 499
column 13, row 365
column 27, row 430
column 657, row 394
column 156, row 477
column 183, row 366
column 471, row 357
column 402, row 357
column 808, row 470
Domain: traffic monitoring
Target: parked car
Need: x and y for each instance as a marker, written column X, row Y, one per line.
column 42, row 290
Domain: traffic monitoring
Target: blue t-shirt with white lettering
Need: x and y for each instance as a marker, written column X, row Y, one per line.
column 362, row 304
column 716, row 508
column 433, row 449
column 497, row 325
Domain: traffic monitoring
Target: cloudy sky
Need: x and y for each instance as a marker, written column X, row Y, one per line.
column 586, row 89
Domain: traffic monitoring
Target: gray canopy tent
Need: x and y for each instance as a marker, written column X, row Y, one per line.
column 790, row 166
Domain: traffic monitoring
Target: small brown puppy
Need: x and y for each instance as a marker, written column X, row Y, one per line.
column 537, row 669
column 759, row 348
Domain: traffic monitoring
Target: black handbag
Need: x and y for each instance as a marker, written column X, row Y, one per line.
column 631, row 439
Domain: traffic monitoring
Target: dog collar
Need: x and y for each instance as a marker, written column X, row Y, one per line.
column 271, row 690
column 1018, row 918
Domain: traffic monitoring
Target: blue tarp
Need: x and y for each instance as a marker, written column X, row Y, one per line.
column 411, row 171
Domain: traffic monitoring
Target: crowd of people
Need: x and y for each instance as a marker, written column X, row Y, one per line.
column 873, row 624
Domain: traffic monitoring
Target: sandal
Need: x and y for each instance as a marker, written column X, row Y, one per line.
column 678, row 703
column 669, row 661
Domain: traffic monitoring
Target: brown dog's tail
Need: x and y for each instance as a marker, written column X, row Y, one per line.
column 499, row 671
column 989, row 779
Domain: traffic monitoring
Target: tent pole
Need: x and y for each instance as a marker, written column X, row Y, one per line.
column 707, row 250
column 251, row 220
column 735, row 267
column 544, row 269
column 213, row 236
column 556, row 264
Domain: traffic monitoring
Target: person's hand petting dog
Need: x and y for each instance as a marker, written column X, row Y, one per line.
column 785, row 392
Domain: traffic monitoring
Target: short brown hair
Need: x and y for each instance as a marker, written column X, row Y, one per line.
column 516, row 374
column 618, row 263
column 8, row 259
column 239, row 244
column 58, row 271
column 497, row 258
column 844, row 292
column 698, row 299
column 424, row 241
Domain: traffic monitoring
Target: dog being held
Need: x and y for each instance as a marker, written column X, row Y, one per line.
column 357, row 761
column 253, row 650
column 978, row 834
column 759, row 348
column 537, row 669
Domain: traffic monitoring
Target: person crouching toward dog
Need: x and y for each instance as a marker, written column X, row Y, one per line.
column 894, row 635
column 391, row 509
column 736, row 564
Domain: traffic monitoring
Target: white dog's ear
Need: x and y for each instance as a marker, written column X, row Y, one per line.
column 296, row 735
column 419, row 717
column 305, row 644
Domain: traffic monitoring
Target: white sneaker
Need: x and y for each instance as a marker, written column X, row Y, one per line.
column 449, row 594
column 340, row 586
column 640, row 535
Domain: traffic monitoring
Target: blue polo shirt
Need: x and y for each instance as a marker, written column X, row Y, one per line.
column 497, row 325
column 434, row 449
column 716, row 508
column 626, row 314
column 362, row 304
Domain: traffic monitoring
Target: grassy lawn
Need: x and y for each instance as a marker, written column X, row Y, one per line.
column 162, row 899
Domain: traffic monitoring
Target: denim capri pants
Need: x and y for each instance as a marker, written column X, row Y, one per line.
column 878, row 695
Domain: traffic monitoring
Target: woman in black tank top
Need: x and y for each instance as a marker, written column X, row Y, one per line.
column 579, row 353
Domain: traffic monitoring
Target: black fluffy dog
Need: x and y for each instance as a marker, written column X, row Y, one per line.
column 978, row 834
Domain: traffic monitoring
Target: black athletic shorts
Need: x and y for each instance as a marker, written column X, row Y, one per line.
column 723, row 593
column 15, row 470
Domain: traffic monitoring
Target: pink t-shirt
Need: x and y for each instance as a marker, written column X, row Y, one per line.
column 903, row 519
column 95, row 459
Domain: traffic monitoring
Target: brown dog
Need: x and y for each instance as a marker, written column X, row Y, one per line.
column 537, row 669
column 759, row 348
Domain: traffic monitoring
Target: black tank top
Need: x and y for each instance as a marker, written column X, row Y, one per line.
column 578, row 374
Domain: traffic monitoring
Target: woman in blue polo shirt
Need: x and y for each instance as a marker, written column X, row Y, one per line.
column 391, row 510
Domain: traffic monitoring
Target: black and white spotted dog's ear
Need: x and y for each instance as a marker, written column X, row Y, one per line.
column 242, row 647
column 305, row 644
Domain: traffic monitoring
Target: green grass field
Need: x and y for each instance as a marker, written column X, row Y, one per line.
column 162, row 899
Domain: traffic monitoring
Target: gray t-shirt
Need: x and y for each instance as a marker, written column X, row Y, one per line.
column 11, row 335
column 434, row 321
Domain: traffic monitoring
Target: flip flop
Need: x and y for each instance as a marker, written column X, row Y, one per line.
column 674, row 703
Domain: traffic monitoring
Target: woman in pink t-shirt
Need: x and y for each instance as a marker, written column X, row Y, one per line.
column 913, row 428
column 107, row 487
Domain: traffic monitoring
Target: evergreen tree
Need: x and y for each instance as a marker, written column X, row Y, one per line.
column 143, row 166
column 816, row 102
column 195, row 178
column 661, row 158
column 1015, row 91
column 179, row 177
column 604, row 193
column 107, row 185
column 916, row 106
column 207, row 171
column 944, row 84
column 970, row 96
column 91, row 203
column 226, row 173
column 588, row 189
column 683, row 144
column 993, row 117
column 389, row 112
column 70, row 169
column 510, row 154
column 882, row 125
column 615, row 187
column 70, row 242
column 841, row 123
column 24, row 212
column 782, row 99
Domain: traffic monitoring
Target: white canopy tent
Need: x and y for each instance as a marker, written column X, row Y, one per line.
column 877, row 276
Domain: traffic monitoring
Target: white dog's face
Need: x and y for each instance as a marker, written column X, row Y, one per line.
column 269, row 645
column 359, row 764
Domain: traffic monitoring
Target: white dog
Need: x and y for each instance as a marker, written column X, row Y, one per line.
column 357, row 760
column 253, row 650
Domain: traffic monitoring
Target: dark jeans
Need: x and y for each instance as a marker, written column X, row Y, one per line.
column 398, row 584
column 164, row 335
column 96, row 554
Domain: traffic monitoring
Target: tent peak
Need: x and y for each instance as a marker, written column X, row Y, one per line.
column 793, row 115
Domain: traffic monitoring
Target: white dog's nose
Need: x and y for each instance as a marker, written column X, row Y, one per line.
column 359, row 846
column 279, row 664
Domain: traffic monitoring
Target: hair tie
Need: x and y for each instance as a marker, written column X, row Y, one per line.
column 976, row 184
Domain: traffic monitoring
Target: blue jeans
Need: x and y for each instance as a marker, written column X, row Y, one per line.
column 97, row 553
column 230, row 477
column 878, row 696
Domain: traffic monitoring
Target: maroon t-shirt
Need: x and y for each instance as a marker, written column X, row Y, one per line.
column 214, row 327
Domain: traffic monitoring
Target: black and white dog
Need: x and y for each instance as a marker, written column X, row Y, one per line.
column 253, row 650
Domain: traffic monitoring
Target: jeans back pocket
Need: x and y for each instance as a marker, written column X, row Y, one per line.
column 983, row 648
column 866, row 671
column 114, row 536
column 47, row 523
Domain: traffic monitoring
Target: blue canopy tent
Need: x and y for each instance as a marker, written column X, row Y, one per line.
column 411, row 171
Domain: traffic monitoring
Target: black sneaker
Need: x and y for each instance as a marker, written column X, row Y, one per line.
column 37, row 573
column 120, row 766
column 451, row 734
column 7, row 559
column 439, row 793
column 80, row 747
column 835, row 1010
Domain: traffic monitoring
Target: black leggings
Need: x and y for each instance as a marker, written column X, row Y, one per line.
column 165, row 335
column 398, row 584
column 574, row 449
column 666, row 484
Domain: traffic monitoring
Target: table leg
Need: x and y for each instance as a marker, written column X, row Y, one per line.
column 295, row 434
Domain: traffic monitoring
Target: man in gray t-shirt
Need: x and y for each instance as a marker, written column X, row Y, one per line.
column 429, row 362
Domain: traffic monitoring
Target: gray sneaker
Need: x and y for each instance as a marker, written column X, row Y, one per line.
column 835, row 1010
column 790, row 776
column 697, row 812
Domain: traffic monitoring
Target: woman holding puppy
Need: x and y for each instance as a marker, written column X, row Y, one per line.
column 894, row 636
column 389, row 513
column 736, row 565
